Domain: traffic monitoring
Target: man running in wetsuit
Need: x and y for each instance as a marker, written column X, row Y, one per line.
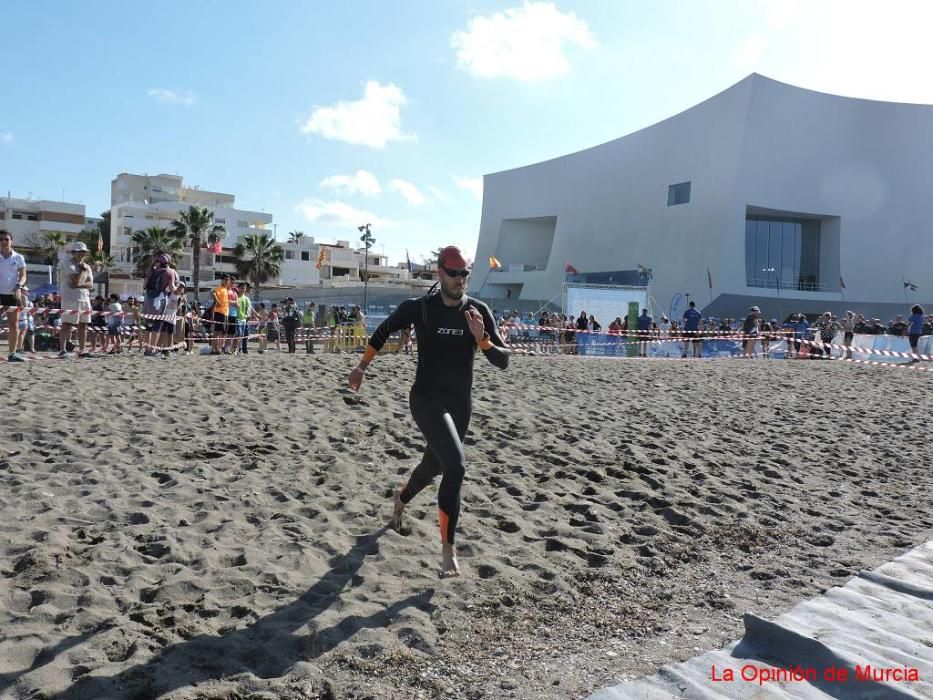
column 449, row 327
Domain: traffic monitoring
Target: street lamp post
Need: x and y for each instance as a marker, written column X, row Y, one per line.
column 368, row 241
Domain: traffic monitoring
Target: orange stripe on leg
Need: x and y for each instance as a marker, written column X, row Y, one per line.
column 444, row 521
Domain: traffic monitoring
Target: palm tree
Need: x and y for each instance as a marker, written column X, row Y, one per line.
column 100, row 261
column 258, row 258
column 196, row 227
column 52, row 243
column 296, row 236
column 151, row 241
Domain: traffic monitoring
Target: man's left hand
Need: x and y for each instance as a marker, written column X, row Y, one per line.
column 475, row 321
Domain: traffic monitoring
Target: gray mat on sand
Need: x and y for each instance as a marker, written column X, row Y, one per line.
column 881, row 618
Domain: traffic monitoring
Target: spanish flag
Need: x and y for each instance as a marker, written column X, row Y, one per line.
column 320, row 258
column 494, row 263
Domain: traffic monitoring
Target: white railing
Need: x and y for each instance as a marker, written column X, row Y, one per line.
column 519, row 268
column 772, row 283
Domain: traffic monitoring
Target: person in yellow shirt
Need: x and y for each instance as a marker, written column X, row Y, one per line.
column 220, row 306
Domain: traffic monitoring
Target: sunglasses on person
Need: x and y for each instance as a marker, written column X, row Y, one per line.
column 455, row 273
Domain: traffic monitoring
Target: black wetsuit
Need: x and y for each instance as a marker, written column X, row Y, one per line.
column 440, row 398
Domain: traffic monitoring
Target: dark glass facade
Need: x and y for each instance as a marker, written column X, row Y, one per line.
column 782, row 253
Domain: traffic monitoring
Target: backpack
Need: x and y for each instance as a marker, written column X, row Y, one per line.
column 154, row 286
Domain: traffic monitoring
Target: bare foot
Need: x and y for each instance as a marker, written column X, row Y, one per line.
column 449, row 565
column 398, row 511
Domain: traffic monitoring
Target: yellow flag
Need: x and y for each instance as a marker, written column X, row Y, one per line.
column 494, row 263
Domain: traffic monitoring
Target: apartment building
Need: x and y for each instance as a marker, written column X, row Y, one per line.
column 30, row 219
column 139, row 202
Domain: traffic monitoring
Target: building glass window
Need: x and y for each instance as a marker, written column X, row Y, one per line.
column 289, row 255
column 678, row 194
column 782, row 253
column 306, row 255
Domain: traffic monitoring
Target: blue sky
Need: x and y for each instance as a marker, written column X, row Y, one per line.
column 330, row 115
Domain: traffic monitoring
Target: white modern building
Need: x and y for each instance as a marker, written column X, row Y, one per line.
column 141, row 201
column 29, row 220
column 764, row 194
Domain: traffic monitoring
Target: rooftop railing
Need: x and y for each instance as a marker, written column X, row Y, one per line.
column 798, row 286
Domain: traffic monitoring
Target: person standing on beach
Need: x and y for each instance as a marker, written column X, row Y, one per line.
column 644, row 328
column 246, row 313
column 848, row 329
column 450, row 327
column 692, row 330
column 161, row 282
column 291, row 322
column 12, row 281
column 219, row 308
column 77, row 283
column 750, row 328
column 914, row 330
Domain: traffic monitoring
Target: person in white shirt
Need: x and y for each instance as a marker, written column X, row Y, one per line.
column 12, row 281
column 77, row 283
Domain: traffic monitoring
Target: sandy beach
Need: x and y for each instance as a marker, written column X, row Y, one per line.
column 214, row 527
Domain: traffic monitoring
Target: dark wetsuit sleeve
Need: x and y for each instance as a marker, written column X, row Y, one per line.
column 402, row 317
column 498, row 354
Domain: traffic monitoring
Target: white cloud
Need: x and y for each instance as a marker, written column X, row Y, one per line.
column 437, row 193
column 6, row 137
column 361, row 182
column 373, row 120
column 526, row 43
column 337, row 213
column 877, row 51
column 173, row 97
column 746, row 55
column 409, row 191
column 470, row 184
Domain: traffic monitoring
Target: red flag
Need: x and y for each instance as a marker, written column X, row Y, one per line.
column 216, row 249
column 570, row 269
column 709, row 278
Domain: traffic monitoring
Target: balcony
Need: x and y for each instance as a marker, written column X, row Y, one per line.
column 799, row 286
column 520, row 268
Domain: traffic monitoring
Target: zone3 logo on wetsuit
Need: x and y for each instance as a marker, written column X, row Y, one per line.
column 446, row 346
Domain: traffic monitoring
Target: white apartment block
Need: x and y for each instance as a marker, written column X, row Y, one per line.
column 30, row 219
column 141, row 201
column 343, row 265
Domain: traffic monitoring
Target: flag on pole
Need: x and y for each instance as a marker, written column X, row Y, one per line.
column 216, row 248
column 320, row 258
column 842, row 283
column 407, row 261
column 494, row 263
column 910, row 285
column 570, row 269
column 709, row 278
column 100, row 242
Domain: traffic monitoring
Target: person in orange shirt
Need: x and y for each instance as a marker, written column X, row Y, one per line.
column 221, row 306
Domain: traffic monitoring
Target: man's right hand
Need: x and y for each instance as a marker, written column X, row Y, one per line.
column 356, row 378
